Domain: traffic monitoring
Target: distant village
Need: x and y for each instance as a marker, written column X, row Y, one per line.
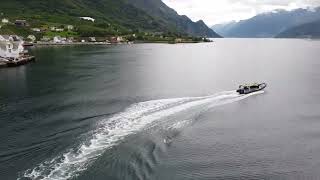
column 12, row 47
column 59, row 39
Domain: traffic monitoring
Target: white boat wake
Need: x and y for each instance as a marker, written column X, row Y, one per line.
column 111, row 131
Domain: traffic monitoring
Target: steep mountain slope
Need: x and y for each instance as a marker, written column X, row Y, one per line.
column 161, row 11
column 111, row 15
column 307, row 30
column 269, row 24
column 223, row 28
column 116, row 13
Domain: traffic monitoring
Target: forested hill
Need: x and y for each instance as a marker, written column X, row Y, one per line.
column 112, row 16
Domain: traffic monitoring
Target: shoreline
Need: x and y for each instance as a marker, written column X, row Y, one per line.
column 103, row 43
column 69, row 44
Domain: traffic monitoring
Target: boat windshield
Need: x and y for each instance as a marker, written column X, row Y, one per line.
column 248, row 86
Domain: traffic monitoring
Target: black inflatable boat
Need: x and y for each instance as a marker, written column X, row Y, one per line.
column 247, row 89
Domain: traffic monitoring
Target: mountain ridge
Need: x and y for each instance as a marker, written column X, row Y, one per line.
column 267, row 25
column 306, row 30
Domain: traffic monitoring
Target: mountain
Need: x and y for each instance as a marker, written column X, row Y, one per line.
column 164, row 13
column 307, row 30
column 112, row 16
column 224, row 27
column 269, row 24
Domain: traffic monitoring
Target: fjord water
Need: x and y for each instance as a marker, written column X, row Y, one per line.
column 104, row 112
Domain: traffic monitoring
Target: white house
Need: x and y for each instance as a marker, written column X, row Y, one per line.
column 36, row 29
column 120, row 39
column 70, row 27
column 10, row 38
column 59, row 30
column 53, row 28
column 5, row 20
column 32, row 38
column 88, row 18
column 9, row 47
column 58, row 39
column 92, row 39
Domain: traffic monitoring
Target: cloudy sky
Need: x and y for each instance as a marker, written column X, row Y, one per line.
column 219, row 11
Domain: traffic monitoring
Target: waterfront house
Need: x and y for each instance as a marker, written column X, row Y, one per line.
column 5, row 20
column 21, row 23
column 70, row 39
column 120, row 39
column 45, row 39
column 113, row 40
column 58, row 39
column 92, row 39
column 87, row 18
column 178, row 40
column 10, row 38
column 10, row 48
column 117, row 39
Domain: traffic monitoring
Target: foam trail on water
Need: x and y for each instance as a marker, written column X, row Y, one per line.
column 112, row 130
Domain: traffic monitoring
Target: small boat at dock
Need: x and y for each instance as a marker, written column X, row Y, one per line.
column 27, row 44
column 250, row 88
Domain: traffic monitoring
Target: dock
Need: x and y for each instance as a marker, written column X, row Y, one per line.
column 17, row 62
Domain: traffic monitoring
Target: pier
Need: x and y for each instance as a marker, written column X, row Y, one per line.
column 16, row 62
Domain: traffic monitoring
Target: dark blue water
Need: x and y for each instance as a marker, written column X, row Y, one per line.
column 158, row 111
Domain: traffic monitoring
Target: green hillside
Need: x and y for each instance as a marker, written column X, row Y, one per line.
column 113, row 17
column 182, row 23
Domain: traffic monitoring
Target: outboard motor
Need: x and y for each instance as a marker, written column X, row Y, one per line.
column 240, row 91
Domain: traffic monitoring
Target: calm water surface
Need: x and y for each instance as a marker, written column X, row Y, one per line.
column 104, row 112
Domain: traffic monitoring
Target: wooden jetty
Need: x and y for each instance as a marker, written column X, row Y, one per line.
column 17, row 62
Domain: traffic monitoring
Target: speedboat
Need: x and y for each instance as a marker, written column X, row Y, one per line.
column 250, row 88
